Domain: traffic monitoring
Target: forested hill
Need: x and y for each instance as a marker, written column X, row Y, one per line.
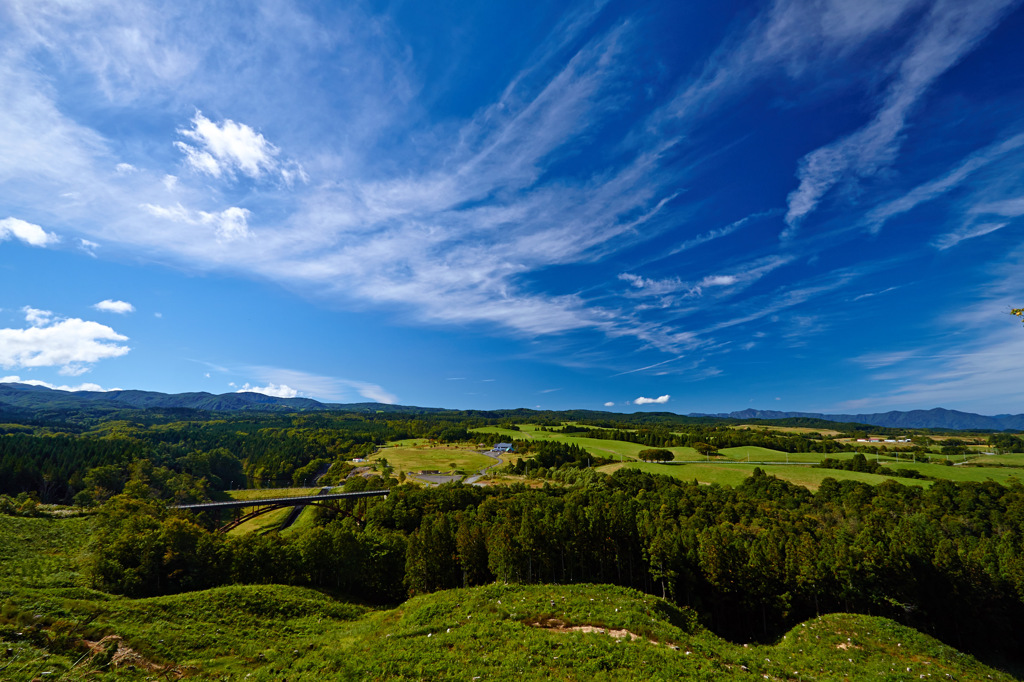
column 38, row 398
column 27, row 397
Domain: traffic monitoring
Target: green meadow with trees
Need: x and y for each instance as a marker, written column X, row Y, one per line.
column 569, row 561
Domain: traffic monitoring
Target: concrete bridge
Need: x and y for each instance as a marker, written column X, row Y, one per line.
column 265, row 505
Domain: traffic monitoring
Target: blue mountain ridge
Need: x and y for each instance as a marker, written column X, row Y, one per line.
column 30, row 397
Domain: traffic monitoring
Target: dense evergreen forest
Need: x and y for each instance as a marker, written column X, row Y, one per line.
column 751, row 560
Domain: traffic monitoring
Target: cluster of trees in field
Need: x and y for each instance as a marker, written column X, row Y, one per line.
column 861, row 463
column 549, row 454
column 752, row 560
column 719, row 436
column 1006, row 442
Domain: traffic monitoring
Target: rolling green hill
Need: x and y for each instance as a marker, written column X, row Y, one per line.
column 62, row 630
column 494, row 632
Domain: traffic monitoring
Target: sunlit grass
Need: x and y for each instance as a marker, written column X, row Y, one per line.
column 734, row 473
column 440, row 458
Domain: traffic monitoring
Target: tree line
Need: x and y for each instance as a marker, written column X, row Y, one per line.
column 752, row 560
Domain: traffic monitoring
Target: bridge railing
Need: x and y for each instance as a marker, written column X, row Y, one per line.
column 280, row 501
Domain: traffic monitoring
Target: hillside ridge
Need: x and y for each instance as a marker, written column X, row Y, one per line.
column 33, row 397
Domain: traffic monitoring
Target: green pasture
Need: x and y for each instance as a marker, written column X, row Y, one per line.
column 734, row 473
column 785, row 429
column 408, row 442
column 964, row 473
column 415, row 459
column 1013, row 459
column 41, row 552
column 522, row 435
column 599, row 447
column 758, row 454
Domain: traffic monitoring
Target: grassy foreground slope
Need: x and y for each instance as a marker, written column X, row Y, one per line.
column 495, row 632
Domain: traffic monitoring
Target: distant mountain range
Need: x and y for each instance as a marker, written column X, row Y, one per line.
column 28, row 397
column 937, row 418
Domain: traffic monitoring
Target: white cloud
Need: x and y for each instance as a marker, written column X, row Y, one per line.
column 660, row 400
column 282, row 391
column 118, row 307
column 125, row 168
column 229, row 225
column 949, row 31
column 46, row 384
column 71, row 344
column 229, row 147
column 718, row 281
column 609, row 404
column 27, row 232
column 36, row 317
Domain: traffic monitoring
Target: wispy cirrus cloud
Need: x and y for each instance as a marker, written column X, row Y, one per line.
column 953, row 178
column 790, row 37
column 737, row 279
column 290, row 383
column 949, row 30
column 973, row 362
column 228, row 225
column 970, row 231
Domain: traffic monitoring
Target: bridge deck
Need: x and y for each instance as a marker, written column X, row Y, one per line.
column 279, row 501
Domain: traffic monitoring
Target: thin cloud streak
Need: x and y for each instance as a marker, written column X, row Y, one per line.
column 950, row 30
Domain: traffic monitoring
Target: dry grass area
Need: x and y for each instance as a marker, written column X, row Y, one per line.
column 786, row 429
column 432, row 457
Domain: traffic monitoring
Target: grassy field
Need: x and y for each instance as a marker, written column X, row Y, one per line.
column 786, row 429
column 1014, row 459
column 964, row 473
column 41, row 552
column 734, row 473
column 611, row 449
column 303, row 523
column 731, row 468
column 258, row 493
column 495, row 632
column 262, row 524
column 415, row 459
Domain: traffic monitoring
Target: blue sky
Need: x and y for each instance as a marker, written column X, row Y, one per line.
column 694, row 207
